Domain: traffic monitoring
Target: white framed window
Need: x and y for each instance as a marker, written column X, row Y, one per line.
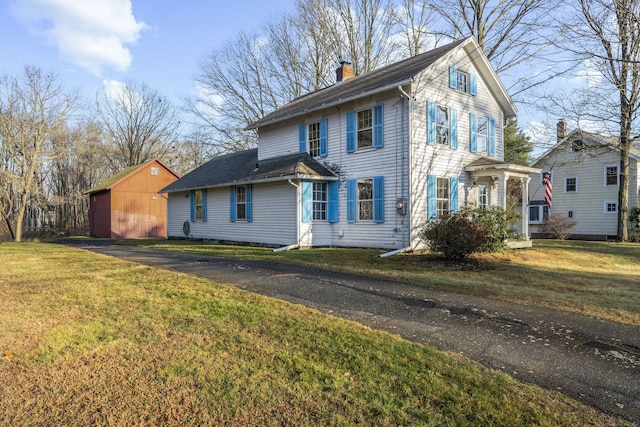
column 313, row 132
column 365, row 128
column 483, row 196
column 463, row 82
column 198, row 205
column 538, row 214
column 482, row 133
column 570, row 184
column 611, row 207
column 442, row 125
column 154, row 171
column 442, row 197
column 611, row 175
column 319, row 201
column 365, row 199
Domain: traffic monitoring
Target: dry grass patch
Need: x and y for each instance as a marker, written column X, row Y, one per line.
column 601, row 279
column 95, row 341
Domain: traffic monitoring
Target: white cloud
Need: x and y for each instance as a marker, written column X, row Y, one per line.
column 113, row 89
column 93, row 34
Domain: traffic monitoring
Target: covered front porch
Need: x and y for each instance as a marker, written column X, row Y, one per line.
column 497, row 174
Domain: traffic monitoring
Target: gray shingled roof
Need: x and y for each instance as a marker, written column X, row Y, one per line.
column 244, row 168
column 385, row 77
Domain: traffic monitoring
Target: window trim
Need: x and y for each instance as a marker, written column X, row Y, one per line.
column 439, row 211
column 202, row 205
column 322, row 204
column 313, row 151
column 485, row 194
column 360, row 201
column 478, row 134
column 617, row 175
column 606, row 207
column 566, row 189
column 438, row 125
column 369, row 129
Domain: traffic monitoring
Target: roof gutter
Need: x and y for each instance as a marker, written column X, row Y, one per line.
column 390, row 86
column 257, row 181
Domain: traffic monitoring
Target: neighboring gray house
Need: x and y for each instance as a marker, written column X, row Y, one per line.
column 585, row 170
column 363, row 163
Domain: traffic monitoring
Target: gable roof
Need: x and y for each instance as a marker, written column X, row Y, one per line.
column 605, row 141
column 114, row 179
column 244, row 168
column 386, row 78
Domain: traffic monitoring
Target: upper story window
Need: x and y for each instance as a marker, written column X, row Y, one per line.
column 463, row 81
column 154, row 171
column 570, row 184
column 611, row 176
column 442, row 125
column 365, row 128
column 483, row 133
column 314, row 139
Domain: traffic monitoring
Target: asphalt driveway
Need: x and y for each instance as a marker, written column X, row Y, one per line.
column 594, row 361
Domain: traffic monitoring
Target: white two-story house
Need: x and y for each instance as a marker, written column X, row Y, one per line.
column 585, row 172
column 363, row 163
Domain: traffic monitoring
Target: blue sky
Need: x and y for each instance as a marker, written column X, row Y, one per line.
column 157, row 42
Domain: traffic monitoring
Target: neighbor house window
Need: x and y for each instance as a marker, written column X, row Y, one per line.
column 319, row 201
column 154, row 171
column 611, row 207
column 442, row 196
column 577, row 145
column 482, row 133
column 241, row 202
column 314, row 139
column 570, row 184
column 365, row 199
column 611, row 176
column 483, row 196
column 199, row 205
column 442, row 125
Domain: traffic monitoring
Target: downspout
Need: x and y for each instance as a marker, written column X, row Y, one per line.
column 405, row 153
column 298, row 213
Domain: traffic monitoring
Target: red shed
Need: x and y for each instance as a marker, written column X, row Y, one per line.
column 128, row 204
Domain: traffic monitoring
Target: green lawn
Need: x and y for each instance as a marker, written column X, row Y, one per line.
column 92, row 340
column 596, row 278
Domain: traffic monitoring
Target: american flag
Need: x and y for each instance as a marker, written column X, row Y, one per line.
column 548, row 190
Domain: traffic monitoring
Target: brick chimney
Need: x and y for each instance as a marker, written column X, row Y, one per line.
column 344, row 72
column 561, row 129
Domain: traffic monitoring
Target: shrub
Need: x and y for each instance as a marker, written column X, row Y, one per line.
column 456, row 235
column 558, row 226
column 500, row 223
column 634, row 217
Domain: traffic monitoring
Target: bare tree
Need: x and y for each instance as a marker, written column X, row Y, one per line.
column 606, row 36
column 140, row 122
column 32, row 108
column 414, row 21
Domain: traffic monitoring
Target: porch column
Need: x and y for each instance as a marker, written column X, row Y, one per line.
column 503, row 194
column 524, row 185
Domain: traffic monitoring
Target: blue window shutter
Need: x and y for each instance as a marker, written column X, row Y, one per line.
column 378, row 126
column 193, row 205
column 473, row 132
column 453, row 131
column 431, row 123
column 351, row 132
column 492, row 136
column 453, row 183
column 324, row 141
column 302, row 138
column 352, row 189
column 204, row 205
column 431, row 196
column 473, row 84
column 453, row 77
column 332, row 189
column 233, row 212
column 378, row 199
column 249, row 203
column 307, row 200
